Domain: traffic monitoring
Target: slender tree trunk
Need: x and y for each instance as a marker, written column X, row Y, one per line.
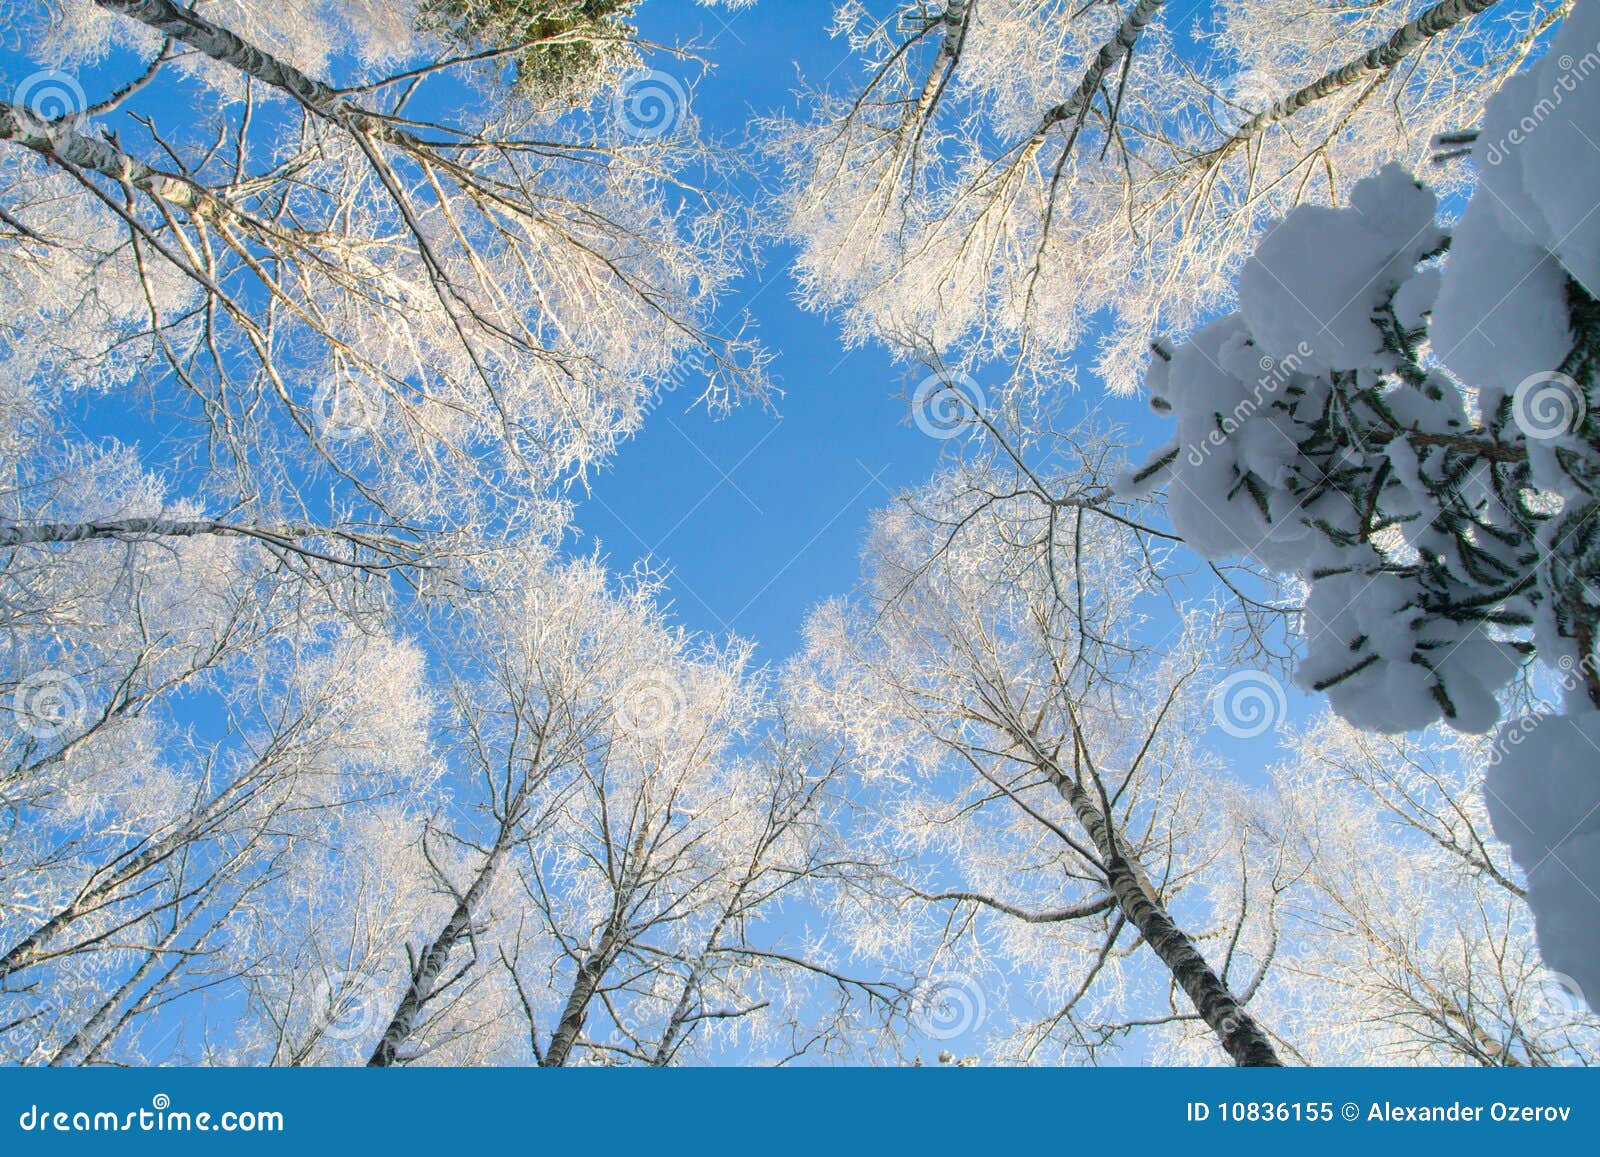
column 677, row 1023
column 389, row 553
column 1238, row 1031
column 58, row 142
column 189, row 27
column 36, row 945
column 31, row 948
column 584, row 985
column 93, row 1033
column 431, row 965
column 1109, row 56
column 1405, row 40
column 956, row 19
column 45, row 533
column 62, row 145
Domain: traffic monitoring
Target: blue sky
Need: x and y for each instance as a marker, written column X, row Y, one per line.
column 759, row 516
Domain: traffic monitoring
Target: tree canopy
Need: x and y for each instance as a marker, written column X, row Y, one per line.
column 1274, row 744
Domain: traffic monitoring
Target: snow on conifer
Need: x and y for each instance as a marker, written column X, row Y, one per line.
column 1403, row 416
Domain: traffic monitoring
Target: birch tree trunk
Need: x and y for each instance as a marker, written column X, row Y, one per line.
column 678, row 1023
column 57, row 142
column 1235, row 1028
column 1111, row 53
column 1405, row 41
column 384, row 551
column 189, row 27
column 584, row 986
column 1138, row 900
column 431, row 964
column 97, row 895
